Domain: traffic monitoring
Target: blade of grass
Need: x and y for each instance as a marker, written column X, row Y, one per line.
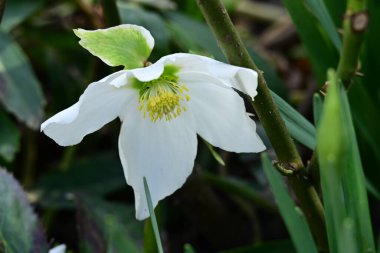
column 342, row 178
column 330, row 148
column 292, row 215
column 321, row 13
column 153, row 219
column 354, row 184
column 299, row 127
column 322, row 53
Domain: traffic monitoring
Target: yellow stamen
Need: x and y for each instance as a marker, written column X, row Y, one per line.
column 163, row 98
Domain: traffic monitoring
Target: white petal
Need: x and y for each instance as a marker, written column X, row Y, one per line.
column 242, row 79
column 99, row 104
column 58, row 249
column 163, row 152
column 220, row 115
column 145, row 74
column 148, row 73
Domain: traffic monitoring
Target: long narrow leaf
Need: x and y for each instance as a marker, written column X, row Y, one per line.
column 320, row 11
column 292, row 215
column 299, row 127
column 322, row 53
column 342, row 177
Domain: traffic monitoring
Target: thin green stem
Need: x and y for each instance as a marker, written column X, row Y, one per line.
column 67, row 158
column 355, row 24
column 152, row 219
column 233, row 48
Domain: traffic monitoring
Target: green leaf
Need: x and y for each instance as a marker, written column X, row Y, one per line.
column 320, row 11
column 107, row 227
column 322, row 53
column 292, row 215
column 20, row 91
column 123, row 45
column 9, row 138
column 17, row 11
column 342, row 178
column 336, row 9
column 19, row 231
column 132, row 14
column 299, row 127
column 331, row 143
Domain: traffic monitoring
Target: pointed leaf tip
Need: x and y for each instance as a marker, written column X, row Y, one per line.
column 124, row 45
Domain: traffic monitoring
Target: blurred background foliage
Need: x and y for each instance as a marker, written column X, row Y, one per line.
column 79, row 193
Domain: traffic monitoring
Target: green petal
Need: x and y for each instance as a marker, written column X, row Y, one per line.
column 123, row 45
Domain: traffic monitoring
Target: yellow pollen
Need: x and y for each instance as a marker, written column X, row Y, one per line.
column 163, row 98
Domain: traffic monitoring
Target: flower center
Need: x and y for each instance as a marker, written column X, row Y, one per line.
column 163, row 98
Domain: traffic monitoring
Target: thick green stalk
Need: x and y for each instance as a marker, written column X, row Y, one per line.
column 355, row 24
column 233, row 48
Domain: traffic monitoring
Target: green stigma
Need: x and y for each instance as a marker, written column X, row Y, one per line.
column 163, row 98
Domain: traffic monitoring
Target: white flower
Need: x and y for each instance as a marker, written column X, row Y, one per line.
column 162, row 108
column 58, row 249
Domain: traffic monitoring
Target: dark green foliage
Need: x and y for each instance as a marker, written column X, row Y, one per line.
column 20, row 91
column 19, row 228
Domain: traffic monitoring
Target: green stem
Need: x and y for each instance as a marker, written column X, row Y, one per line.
column 67, row 158
column 233, row 48
column 153, row 224
column 355, row 24
column 111, row 14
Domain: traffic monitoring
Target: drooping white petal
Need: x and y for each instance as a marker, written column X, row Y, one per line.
column 242, row 79
column 163, row 152
column 100, row 103
column 219, row 114
column 58, row 249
